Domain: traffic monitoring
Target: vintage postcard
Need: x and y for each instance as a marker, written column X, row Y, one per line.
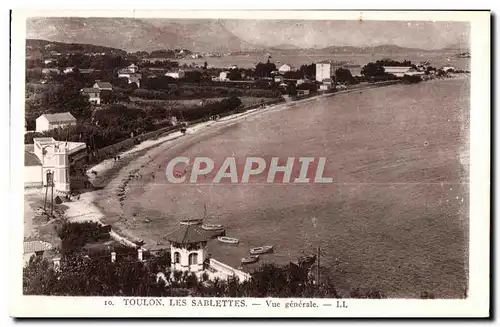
column 250, row 164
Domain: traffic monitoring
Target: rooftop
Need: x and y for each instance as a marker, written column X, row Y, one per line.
column 30, row 159
column 36, row 246
column 59, row 117
column 90, row 90
column 104, row 85
column 187, row 234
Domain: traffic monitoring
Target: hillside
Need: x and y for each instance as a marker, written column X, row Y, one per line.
column 33, row 45
column 138, row 34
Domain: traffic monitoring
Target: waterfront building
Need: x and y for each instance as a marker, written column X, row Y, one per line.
column 284, row 68
column 176, row 74
column 400, row 71
column 326, row 69
column 188, row 250
column 48, row 155
column 47, row 122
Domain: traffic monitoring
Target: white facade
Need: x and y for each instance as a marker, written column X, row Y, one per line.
column 52, row 156
column 223, row 76
column 176, row 75
column 324, row 70
column 51, row 121
column 185, row 259
column 284, row 68
column 402, row 71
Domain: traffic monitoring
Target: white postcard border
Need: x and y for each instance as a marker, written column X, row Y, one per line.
column 476, row 305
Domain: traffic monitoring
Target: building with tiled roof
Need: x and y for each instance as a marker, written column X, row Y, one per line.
column 188, row 248
column 103, row 86
column 51, row 121
column 34, row 248
column 93, row 93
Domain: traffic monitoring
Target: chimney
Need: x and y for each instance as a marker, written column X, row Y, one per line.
column 113, row 257
column 139, row 254
column 57, row 264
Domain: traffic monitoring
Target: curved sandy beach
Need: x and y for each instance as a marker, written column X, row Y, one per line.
column 104, row 205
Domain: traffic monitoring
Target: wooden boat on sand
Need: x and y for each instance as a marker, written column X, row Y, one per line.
column 261, row 250
column 228, row 240
column 191, row 222
column 250, row 259
column 212, row 227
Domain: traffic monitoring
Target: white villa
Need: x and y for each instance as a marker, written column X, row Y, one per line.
column 284, row 68
column 51, row 121
column 400, row 71
column 188, row 248
column 48, row 155
column 130, row 73
column 176, row 74
column 103, row 86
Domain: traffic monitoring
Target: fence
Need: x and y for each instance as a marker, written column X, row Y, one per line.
column 111, row 150
column 228, row 270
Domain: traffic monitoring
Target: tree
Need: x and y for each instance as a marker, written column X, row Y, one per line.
column 264, row 69
column 343, row 75
column 234, row 75
column 291, row 90
column 308, row 71
column 373, row 70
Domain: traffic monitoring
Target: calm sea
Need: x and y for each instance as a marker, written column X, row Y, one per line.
column 396, row 216
column 437, row 59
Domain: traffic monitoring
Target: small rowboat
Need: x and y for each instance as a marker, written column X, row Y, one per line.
column 250, row 259
column 229, row 240
column 191, row 222
column 212, row 227
column 261, row 249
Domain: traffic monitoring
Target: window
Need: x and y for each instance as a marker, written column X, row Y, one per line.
column 193, row 258
column 177, row 257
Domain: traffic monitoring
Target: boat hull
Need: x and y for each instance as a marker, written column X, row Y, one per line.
column 191, row 222
column 249, row 260
column 261, row 250
column 228, row 240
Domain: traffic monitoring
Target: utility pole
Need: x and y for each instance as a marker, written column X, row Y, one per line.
column 317, row 271
column 51, row 196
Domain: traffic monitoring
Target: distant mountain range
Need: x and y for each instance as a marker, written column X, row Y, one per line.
column 154, row 34
column 138, row 34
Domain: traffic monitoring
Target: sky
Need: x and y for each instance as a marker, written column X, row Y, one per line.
column 310, row 34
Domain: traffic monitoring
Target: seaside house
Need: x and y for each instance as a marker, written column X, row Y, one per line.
column 130, row 73
column 284, row 68
column 326, row 69
column 400, row 71
column 34, row 248
column 176, row 74
column 48, row 155
column 103, row 86
column 188, row 250
column 448, row 68
column 223, row 76
column 93, row 93
column 68, row 70
column 47, row 122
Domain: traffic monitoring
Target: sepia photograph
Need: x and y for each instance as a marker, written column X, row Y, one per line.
column 219, row 162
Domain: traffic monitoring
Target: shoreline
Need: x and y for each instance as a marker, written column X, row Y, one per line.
column 105, row 206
